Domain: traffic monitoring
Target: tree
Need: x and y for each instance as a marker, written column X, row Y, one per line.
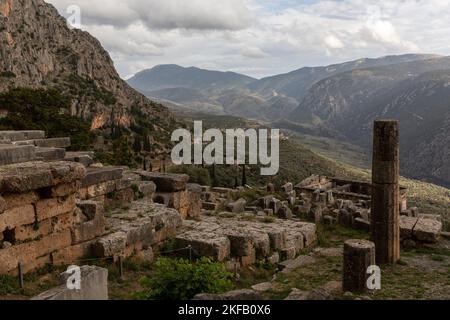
column 244, row 175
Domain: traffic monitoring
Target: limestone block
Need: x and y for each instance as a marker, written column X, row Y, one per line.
column 49, row 208
column 165, row 182
column 16, row 217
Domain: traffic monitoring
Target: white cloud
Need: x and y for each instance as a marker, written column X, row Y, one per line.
column 262, row 37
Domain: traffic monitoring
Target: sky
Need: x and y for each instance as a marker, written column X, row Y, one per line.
column 259, row 37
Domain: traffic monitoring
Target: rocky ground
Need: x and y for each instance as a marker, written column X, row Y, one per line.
column 423, row 273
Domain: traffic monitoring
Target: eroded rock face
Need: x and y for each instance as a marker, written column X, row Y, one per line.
column 39, row 50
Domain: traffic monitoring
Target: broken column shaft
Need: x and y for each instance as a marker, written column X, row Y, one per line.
column 359, row 255
column 385, row 191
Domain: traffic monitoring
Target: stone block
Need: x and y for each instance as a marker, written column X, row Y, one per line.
column 22, row 135
column 10, row 154
column 16, row 217
column 72, row 254
column 205, row 245
column 16, row 200
column 427, row 230
column 29, row 176
column 166, row 182
column 52, row 143
column 50, row 154
column 49, row 208
column 98, row 175
column 89, row 230
column 94, row 286
column 28, row 252
column 110, row 245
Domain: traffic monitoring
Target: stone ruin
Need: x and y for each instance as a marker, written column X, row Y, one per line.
column 58, row 207
column 348, row 203
column 61, row 208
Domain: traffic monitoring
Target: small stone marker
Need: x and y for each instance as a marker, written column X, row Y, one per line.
column 359, row 255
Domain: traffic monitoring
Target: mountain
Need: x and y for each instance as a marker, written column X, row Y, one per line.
column 296, row 83
column 173, row 76
column 268, row 99
column 38, row 50
column 415, row 93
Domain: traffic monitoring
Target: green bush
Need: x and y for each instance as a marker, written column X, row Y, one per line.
column 178, row 279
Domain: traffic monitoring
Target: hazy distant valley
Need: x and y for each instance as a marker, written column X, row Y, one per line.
column 329, row 109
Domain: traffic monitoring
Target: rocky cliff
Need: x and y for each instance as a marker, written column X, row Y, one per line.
column 37, row 50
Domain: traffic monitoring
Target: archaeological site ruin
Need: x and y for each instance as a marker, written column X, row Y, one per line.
column 62, row 208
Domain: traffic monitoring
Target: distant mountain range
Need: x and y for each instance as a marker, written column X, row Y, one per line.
column 338, row 101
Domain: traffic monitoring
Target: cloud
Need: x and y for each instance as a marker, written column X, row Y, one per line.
column 165, row 14
column 261, row 37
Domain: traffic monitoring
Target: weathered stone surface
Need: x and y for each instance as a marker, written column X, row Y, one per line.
column 427, row 230
column 237, row 206
column 151, row 224
column 73, row 253
column 48, row 208
column 205, row 244
column 96, row 176
column 44, row 228
column 10, row 154
column 146, row 189
column 110, row 245
column 195, row 200
column 22, row 135
column 29, row 176
column 94, row 286
column 241, row 295
column 61, row 190
column 285, row 212
column 166, row 182
column 16, row 200
column 407, row 225
column 89, row 208
column 359, row 255
column 16, row 217
column 85, row 158
column 52, row 143
column 28, row 252
column 89, row 230
column 50, row 154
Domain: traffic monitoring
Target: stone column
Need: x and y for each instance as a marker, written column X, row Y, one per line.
column 359, row 255
column 385, row 192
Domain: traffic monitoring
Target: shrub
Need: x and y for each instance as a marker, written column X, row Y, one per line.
column 178, row 279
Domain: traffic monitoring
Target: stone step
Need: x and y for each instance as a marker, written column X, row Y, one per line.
column 22, row 135
column 165, row 182
column 53, row 143
column 50, row 154
column 85, row 158
column 10, row 154
column 98, row 175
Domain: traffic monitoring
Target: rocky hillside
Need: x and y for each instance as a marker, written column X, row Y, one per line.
column 227, row 93
column 38, row 50
column 416, row 93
